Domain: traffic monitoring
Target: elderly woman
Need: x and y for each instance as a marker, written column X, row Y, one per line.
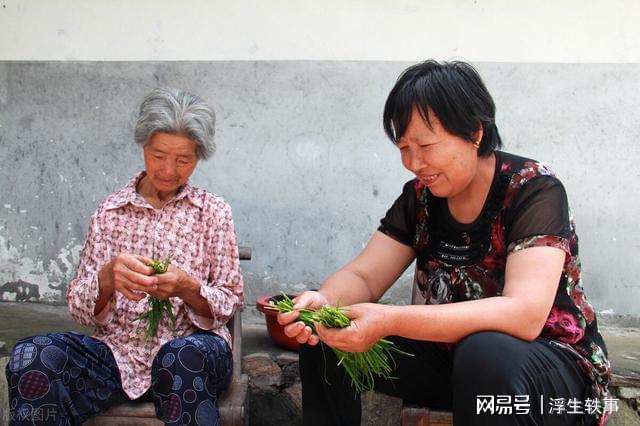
column 65, row 378
column 506, row 323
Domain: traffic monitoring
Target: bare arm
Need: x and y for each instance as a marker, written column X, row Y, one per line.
column 531, row 282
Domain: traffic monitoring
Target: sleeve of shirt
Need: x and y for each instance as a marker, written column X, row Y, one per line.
column 223, row 290
column 539, row 216
column 399, row 222
column 83, row 290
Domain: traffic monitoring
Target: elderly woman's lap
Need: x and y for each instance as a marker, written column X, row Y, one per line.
column 60, row 376
column 68, row 376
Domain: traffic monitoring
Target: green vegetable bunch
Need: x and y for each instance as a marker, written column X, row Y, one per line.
column 158, row 307
column 362, row 367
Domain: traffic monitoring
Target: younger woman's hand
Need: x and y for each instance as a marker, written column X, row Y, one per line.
column 297, row 329
column 369, row 323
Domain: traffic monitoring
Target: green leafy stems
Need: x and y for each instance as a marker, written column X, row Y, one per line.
column 157, row 307
column 362, row 367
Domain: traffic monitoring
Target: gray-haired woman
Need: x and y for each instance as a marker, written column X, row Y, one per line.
column 66, row 378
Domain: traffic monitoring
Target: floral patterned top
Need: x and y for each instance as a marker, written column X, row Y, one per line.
column 196, row 230
column 526, row 207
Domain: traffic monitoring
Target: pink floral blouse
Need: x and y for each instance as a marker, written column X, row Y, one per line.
column 196, row 230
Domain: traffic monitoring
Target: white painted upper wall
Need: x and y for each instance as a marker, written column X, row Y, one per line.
column 481, row 30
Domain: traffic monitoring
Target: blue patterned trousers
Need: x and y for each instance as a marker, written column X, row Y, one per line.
column 66, row 378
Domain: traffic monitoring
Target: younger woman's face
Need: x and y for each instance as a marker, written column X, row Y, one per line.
column 444, row 162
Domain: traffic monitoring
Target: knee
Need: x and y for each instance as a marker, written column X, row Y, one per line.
column 37, row 352
column 208, row 364
column 182, row 353
column 34, row 364
column 22, row 356
column 489, row 359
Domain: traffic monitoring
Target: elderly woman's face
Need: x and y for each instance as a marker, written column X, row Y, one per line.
column 444, row 162
column 169, row 159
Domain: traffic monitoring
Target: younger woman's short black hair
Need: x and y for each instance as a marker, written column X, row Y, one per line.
column 456, row 94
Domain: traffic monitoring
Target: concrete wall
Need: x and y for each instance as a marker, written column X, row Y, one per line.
column 302, row 158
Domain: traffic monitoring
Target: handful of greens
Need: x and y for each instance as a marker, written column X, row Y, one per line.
column 362, row 367
column 158, row 307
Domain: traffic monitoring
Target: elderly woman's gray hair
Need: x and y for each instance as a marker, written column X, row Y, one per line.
column 176, row 111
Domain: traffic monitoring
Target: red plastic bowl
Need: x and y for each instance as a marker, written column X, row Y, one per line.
column 276, row 331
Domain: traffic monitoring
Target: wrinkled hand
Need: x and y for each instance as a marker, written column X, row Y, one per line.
column 369, row 323
column 129, row 274
column 174, row 283
column 297, row 329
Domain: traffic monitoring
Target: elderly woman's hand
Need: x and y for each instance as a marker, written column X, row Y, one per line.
column 369, row 323
column 301, row 332
column 129, row 274
column 175, row 283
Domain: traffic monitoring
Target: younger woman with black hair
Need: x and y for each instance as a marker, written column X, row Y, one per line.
column 496, row 262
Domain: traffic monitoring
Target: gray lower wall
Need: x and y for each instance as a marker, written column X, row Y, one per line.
column 302, row 159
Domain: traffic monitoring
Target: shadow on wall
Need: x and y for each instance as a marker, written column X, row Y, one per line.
column 22, row 290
